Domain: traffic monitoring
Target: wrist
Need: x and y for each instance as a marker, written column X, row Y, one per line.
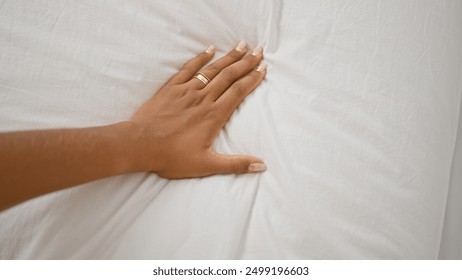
column 131, row 148
column 125, row 144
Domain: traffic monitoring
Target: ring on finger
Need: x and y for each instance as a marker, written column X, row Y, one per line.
column 202, row 77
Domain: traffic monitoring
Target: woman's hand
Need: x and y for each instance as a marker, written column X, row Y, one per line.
column 171, row 135
column 176, row 128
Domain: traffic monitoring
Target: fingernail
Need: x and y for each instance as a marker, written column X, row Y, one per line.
column 257, row 51
column 210, row 49
column 257, row 167
column 261, row 67
column 241, row 46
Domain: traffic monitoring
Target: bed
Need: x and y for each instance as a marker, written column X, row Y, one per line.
column 357, row 121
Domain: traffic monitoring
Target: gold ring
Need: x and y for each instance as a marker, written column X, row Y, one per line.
column 202, row 77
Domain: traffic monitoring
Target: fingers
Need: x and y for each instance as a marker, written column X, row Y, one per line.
column 191, row 67
column 210, row 71
column 237, row 164
column 232, row 73
column 237, row 92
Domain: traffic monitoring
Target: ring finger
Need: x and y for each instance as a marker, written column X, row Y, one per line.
column 211, row 70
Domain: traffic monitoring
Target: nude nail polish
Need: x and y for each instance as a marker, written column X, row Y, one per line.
column 210, row 49
column 242, row 46
column 257, row 167
column 261, row 67
column 257, row 51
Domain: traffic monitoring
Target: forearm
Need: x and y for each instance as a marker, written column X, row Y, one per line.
column 33, row 163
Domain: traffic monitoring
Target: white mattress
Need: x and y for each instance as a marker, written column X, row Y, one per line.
column 356, row 121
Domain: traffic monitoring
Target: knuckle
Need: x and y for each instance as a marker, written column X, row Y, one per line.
column 229, row 74
column 198, row 100
column 206, row 114
column 169, row 92
column 203, row 57
column 246, row 63
column 238, row 90
column 182, row 90
column 237, row 167
column 235, row 55
column 187, row 69
column 213, row 68
column 188, row 93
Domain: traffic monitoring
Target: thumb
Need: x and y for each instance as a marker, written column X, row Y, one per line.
column 238, row 164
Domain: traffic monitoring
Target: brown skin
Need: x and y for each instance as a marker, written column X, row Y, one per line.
column 170, row 135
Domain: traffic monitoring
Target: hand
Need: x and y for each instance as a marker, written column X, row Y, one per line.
column 171, row 135
column 177, row 126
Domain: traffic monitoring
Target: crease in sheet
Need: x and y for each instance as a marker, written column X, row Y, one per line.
column 118, row 229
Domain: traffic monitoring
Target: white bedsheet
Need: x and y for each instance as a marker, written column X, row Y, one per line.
column 356, row 121
column 451, row 239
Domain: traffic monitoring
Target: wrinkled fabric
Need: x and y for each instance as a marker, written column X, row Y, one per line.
column 356, row 121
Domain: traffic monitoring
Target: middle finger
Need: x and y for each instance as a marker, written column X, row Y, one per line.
column 233, row 73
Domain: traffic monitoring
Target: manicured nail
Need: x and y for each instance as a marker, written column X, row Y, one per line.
column 210, row 49
column 257, row 167
column 257, row 51
column 241, row 46
column 261, row 67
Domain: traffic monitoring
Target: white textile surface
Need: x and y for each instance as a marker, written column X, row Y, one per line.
column 356, row 121
column 451, row 240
